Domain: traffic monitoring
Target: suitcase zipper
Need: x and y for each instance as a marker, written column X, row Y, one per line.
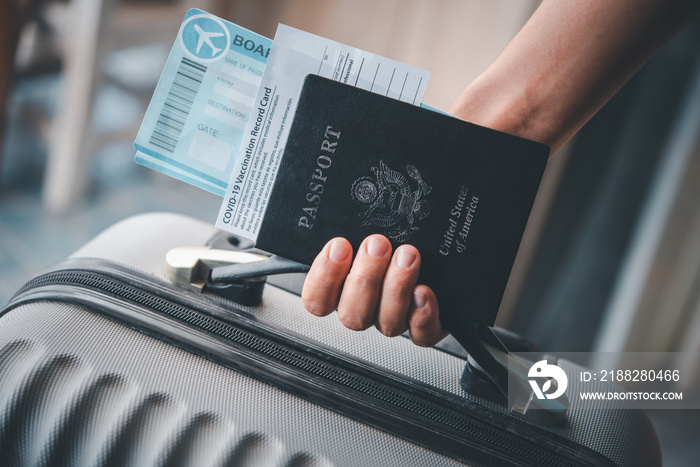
column 453, row 426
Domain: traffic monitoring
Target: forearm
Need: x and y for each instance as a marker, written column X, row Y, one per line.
column 566, row 62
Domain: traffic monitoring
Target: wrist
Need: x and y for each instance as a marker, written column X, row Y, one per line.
column 504, row 106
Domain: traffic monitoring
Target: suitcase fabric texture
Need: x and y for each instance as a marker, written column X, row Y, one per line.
column 104, row 361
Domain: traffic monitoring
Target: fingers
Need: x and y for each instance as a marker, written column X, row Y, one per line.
column 377, row 288
column 325, row 278
column 399, row 281
column 425, row 329
column 362, row 290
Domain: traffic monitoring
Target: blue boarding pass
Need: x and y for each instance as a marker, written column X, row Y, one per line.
column 197, row 118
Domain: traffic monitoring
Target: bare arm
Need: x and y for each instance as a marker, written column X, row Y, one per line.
column 568, row 60
column 560, row 69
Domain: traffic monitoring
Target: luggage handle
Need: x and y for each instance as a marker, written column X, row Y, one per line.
column 490, row 357
column 236, row 275
column 240, row 276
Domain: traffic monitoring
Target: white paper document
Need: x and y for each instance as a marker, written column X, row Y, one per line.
column 294, row 55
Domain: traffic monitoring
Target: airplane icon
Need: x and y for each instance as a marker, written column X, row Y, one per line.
column 206, row 37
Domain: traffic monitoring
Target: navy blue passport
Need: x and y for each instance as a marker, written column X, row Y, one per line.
column 357, row 163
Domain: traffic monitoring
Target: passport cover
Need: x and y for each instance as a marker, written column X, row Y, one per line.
column 357, row 163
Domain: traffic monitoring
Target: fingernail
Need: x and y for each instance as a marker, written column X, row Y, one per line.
column 376, row 247
column 338, row 251
column 419, row 299
column 405, row 259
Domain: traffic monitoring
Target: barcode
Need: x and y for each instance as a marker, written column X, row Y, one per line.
column 178, row 104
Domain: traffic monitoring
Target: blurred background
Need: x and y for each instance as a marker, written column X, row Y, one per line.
column 611, row 257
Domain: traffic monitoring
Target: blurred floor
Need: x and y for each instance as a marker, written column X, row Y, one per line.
column 31, row 240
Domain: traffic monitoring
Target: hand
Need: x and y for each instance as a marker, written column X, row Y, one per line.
column 377, row 288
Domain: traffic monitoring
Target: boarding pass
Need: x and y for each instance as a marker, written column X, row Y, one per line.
column 220, row 113
column 197, row 117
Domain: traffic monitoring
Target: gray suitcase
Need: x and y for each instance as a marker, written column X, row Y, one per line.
column 105, row 361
